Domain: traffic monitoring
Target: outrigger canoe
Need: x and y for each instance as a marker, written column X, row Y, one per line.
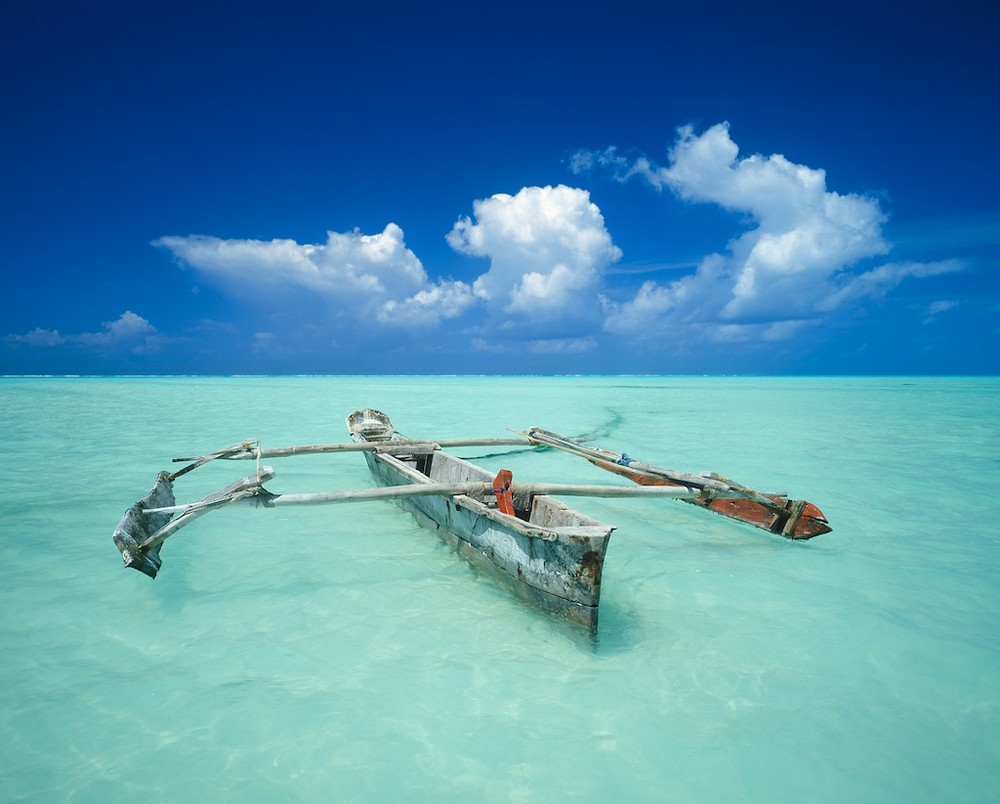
column 519, row 534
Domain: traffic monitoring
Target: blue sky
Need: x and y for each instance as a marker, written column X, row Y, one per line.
column 712, row 187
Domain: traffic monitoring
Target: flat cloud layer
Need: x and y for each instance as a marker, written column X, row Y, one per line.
column 129, row 332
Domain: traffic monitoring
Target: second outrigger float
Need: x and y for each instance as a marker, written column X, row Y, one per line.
column 520, row 534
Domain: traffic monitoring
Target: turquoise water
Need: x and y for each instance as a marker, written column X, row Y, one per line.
column 344, row 654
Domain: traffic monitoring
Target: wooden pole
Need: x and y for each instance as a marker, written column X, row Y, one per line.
column 671, row 492
column 382, row 493
column 476, row 489
column 384, row 446
column 434, row 489
column 719, row 486
column 228, row 452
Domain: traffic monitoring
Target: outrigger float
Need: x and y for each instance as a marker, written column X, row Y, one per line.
column 520, row 534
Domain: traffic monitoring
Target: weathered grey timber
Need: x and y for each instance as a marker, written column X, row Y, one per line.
column 548, row 555
column 246, row 450
column 136, row 525
column 250, row 490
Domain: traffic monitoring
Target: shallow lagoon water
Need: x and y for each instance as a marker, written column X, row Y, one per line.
column 344, row 653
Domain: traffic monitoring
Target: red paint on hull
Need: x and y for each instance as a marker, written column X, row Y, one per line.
column 811, row 521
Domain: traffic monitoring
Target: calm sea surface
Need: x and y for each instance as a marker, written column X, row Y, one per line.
column 343, row 653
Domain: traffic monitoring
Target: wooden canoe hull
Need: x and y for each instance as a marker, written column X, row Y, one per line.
column 553, row 560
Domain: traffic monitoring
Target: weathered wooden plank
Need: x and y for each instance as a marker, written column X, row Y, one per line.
column 795, row 510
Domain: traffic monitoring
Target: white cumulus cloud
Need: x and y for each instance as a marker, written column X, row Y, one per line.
column 129, row 332
column 446, row 299
column 798, row 262
column 348, row 264
column 38, row 337
column 127, row 328
column 365, row 272
column 548, row 249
